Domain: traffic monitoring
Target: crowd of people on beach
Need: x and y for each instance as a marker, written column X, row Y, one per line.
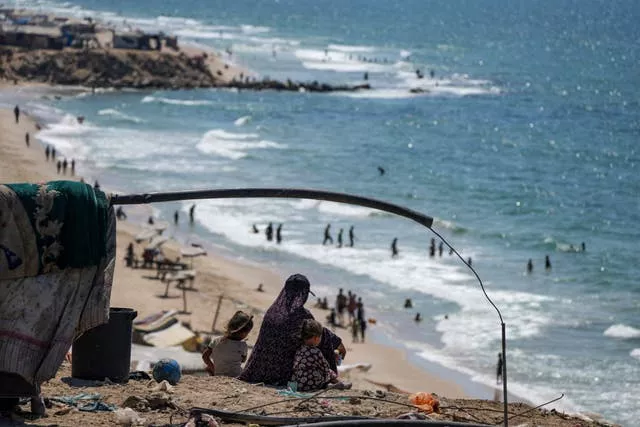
column 49, row 151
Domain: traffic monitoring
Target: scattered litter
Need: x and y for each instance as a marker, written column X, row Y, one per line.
column 87, row 402
column 163, row 386
column 412, row 416
column 204, row 420
column 425, row 401
column 139, row 376
column 128, row 417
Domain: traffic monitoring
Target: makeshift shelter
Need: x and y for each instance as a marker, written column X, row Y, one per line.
column 57, row 251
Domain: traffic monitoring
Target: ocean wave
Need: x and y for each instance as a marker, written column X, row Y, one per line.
column 351, row 48
column 253, row 29
column 622, row 331
column 231, row 145
column 635, row 353
column 171, row 101
column 242, row 121
column 119, row 115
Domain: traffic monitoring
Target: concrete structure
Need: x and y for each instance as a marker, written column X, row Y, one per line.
column 137, row 41
column 31, row 36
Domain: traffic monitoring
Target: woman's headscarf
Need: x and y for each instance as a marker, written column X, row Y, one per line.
column 271, row 360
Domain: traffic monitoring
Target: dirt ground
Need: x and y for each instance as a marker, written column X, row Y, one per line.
column 162, row 408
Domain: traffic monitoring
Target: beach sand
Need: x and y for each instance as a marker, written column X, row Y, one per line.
column 236, row 282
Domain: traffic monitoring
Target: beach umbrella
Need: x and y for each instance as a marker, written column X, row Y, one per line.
column 157, row 241
column 145, row 234
column 192, row 251
column 160, row 226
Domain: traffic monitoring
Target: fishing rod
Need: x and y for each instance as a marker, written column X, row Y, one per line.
column 299, row 193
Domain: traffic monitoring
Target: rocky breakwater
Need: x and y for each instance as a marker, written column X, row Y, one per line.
column 111, row 68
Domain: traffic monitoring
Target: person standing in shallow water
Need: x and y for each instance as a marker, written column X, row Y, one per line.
column 269, row 232
column 279, row 234
column 547, row 262
column 529, row 266
column 351, row 236
column 176, row 217
column 394, row 247
column 327, row 235
column 340, row 238
column 192, row 213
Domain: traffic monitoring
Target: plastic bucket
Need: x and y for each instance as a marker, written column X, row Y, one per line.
column 105, row 351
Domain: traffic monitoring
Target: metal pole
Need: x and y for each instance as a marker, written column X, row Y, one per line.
column 504, row 374
column 292, row 193
column 215, row 317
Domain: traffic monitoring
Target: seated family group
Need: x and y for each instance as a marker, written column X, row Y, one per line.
column 292, row 348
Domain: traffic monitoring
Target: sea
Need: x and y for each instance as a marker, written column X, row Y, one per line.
column 520, row 140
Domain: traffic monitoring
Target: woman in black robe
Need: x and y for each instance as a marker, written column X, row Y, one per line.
column 271, row 361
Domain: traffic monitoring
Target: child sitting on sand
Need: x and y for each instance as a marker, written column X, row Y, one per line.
column 225, row 354
column 311, row 370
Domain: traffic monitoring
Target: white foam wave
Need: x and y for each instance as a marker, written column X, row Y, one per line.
column 351, row 48
column 339, row 61
column 242, row 121
column 253, row 29
column 635, row 353
column 622, row 331
column 119, row 115
column 231, row 145
column 186, row 102
column 379, row 94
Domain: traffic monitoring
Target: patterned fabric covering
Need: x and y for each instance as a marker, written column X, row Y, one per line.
column 311, row 370
column 271, row 360
column 57, row 251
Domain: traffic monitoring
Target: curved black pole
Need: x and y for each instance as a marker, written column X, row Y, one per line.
column 291, row 193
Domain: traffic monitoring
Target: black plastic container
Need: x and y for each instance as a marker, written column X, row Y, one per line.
column 105, row 351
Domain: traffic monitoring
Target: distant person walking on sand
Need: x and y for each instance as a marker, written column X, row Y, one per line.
column 73, row 167
column 120, row 213
column 279, row 234
column 16, row 112
column 499, row 369
column 64, row 166
column 327, row 235
column 150, row 221
column 176, row 217
column 363, row 328
column 26, row 138
column 53, row 153
column 351, row 236
column 547, row 262
column 192, row 212
column 340, row 238
column 529, row 266
column 59, row 166
column 394, row 247
column 341, row 304
column 47, row 152
column 269, row 232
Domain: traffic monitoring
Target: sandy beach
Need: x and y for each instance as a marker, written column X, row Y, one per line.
column 217, row 276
